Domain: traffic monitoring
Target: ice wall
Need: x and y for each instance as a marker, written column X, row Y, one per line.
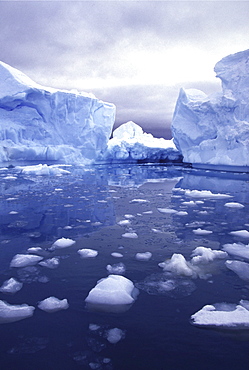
column 214, row 130
column 40, row 123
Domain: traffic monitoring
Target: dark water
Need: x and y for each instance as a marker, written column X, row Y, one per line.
column 157, row 333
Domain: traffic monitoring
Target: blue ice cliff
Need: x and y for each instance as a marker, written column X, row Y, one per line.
column 214, row 130
column 45, row 124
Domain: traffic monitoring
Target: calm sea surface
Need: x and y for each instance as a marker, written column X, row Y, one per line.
column 86, row 206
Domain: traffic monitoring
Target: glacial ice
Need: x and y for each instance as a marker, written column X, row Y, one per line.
column 112, row 294
column 214, row 130
column 223, row 315
column 46, row 124
column 131, row 144
column 53, row 304
column 12, row 313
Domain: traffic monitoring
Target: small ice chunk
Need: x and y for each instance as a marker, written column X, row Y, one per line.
column 94, row 327
column 13, row 213
column 167, row 210
column 11, row 286
column 34, row 250
column 124, row 222
column 181, row 213
column 115, row 335
column 12, row 313
column 206, row 255
column 63, row 243
column 87, row 253
column 50, row 263
column 143, row 256
column 117, row 255
column 23, row 260
column 117, row 269
column 240, row 268
column 223, row 315
column 177, row 265
column 131, row 235
column 129, row 216
column 139, row 201
column 237, row 249
column 191, row 203
column 200, row 231
column 53, row 304
column 234, row 205
column 112, row 294
column 240, row 233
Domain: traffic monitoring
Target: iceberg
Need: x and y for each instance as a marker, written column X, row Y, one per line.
column 47, row 124
column 213, row 131
column 131, row 144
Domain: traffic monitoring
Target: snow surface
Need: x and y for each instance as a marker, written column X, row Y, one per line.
column 12, row 313
column 41, row 123
column 130, row 143
column 113, row 294
column 53, row 304
column 213, row 130
column 223, row 315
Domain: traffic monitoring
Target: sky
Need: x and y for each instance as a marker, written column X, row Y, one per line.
column 135, row 54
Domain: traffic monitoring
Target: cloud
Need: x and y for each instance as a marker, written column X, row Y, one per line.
column 136, row 54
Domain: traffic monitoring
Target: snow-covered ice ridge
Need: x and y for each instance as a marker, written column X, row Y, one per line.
column 46, row 124
column 131, row 144
column 214, row 130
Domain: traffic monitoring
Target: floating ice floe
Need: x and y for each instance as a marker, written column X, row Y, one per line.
column 117, row 255
column 43, row 170
column 23, row 260
column 117, row 269
column 201, row 265
column 223, row 315
column 53, row 304
column 237, row 249
column 240, row 268
column 11, row 286
column 139, row 201
column 143, row 256
column 234, row 205
column 87, row 253
column 131, row 235
column 63, row 243
column 167, row 210
column 12, row 313
column 206, row 194
column 112, row 294
column 34, row 250
column 240, row 233
column 124, row 222
column 200, row 231
column 115, row 335
column 50, row 263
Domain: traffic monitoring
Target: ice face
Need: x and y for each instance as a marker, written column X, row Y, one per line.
column 213, row 130
column 130, row 143
column 41, row 123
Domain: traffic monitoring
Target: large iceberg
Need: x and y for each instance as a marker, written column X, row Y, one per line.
column 46, row 124
column 214, row 130
column 131, row 144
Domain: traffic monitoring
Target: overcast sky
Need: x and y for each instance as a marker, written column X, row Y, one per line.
column 135, row 54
